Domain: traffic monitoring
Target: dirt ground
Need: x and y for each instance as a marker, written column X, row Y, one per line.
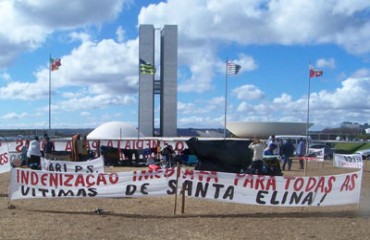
column 153, row 217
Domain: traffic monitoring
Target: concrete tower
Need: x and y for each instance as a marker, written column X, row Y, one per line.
column 166, row 86
column 146, row 81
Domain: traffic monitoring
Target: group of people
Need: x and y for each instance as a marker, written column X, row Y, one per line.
column 37, row 149
column 276, row 148
column 34, row 152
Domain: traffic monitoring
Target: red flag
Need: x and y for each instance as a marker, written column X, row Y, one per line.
column 55, row 64
column 315, row 73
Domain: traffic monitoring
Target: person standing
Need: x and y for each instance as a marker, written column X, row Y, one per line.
column 301, row 152
column 276, row 145
column 48, row 147
column 34, row 154
column 288, row 151
column 257, row 161
column 85, row 149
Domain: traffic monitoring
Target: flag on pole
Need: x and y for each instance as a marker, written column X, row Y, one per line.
column 55, row 64
column 315, row 73
column 233, row 68
column 146, row 68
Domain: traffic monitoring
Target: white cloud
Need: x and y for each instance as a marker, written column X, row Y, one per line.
column 325, row 63
column 25, row 25
column 248, row 92
column 261, row 22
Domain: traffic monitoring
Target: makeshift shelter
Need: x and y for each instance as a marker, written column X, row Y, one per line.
column 221, row 155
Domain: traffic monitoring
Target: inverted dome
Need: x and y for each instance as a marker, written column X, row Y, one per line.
column 266, row 129
column 114, row 130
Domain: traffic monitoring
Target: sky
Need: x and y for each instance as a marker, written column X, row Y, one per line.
column 274, row 42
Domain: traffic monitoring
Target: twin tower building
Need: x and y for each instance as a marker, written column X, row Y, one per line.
column 165, row 86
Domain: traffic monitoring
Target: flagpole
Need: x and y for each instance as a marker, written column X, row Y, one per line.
column 308, row 111
column 225, row 99
column 49, row 133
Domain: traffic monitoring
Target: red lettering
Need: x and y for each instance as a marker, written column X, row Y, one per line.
column 68, row 146
column 19, row 145
column 68, row 180
column 271, row 183
column 311, row 184
column 80, row 181
column 139, row 144
column 101, row 178
column 259, row 182
column 44, row 179
column 113, row 178
column 320, row 185
column 179, row 146
column 298, row 184
column 34, row 178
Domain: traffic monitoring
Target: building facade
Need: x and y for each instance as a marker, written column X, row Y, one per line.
column 166, row 86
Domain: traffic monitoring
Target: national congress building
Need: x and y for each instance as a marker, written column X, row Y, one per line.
column 165, row 86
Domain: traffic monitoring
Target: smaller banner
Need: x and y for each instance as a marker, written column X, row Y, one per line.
column 348, row 161
column 91, row 166
column 4, row 159
column 316, row 154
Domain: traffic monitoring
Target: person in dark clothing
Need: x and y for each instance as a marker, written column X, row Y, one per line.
column 288, row 151
column 48, row 147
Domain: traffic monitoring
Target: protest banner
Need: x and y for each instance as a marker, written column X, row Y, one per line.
column 228, row 187
column 27, row 183
column 348, row 161
column 4, row 159
column 316, row 154
column 273, row 190
column 90, row 166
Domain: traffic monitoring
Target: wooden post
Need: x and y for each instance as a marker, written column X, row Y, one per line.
column 177, row 184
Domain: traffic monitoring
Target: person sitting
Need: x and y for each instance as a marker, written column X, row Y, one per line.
column 269, row 151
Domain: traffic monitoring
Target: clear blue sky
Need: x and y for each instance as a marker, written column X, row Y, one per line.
column 273, row 41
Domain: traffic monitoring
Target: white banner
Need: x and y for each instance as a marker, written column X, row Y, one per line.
column 90, row 166
column 317, row 154
column 178, row 144
column 28, row 183
column 4, row 158
column 229, row 187
column 272, row 190
column 348, row 161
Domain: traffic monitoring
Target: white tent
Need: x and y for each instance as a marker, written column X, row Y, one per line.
column 114, row 130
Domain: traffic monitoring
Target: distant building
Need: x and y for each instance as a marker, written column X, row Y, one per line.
column 166, row 86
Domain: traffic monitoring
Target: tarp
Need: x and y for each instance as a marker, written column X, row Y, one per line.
column 221, row 155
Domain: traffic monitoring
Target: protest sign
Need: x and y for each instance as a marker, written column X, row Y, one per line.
column 90, row 166
column 273, row 190
column 348, row 161
column 27, row 183
column 4, row 159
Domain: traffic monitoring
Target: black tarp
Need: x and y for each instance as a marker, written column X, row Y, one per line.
column 221, row 155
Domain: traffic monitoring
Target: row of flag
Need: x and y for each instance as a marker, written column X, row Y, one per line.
column 147, row 68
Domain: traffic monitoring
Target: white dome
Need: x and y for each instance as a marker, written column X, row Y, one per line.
column 114, row 130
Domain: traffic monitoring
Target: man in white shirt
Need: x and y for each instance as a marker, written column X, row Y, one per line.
column 34, row 154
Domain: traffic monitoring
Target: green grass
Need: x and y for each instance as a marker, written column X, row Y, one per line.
column 349, row 147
